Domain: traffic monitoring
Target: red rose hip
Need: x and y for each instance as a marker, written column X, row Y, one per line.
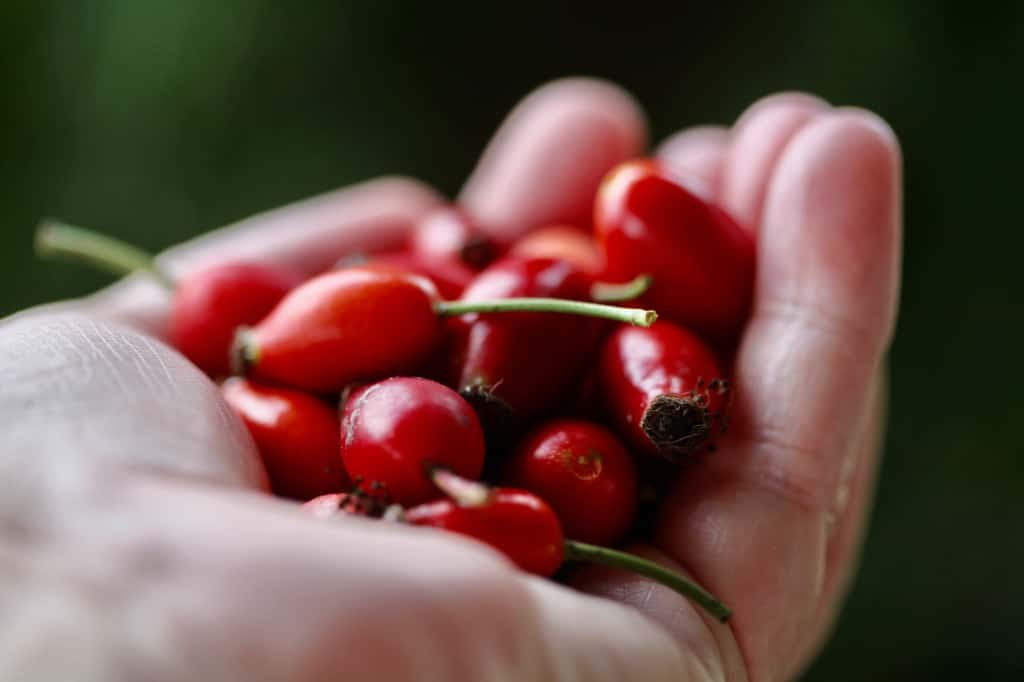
column 584, row 473
column 396, row 431
column 297, row 436
column 662, row 388
column 702, row 262
column 210, row 305
column 515, row 522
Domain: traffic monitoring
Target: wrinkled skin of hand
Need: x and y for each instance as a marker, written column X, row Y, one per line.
column 136, row 541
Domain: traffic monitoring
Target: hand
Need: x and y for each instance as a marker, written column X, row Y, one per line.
column 132, row 545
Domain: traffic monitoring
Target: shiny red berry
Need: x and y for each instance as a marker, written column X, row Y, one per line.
column 663, row 389
column 211, row 304
column 584, row 473
column 396, row 431
column 518, row 366
column 648, row 222
column 345, row 325
column 297, row 436
column 517, row 523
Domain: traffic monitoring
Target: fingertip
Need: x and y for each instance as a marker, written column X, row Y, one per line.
column 759, row 138
column 545, row 162
column 788, row 99
column 698, row 151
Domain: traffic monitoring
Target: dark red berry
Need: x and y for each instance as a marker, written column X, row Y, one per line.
column 517, row 366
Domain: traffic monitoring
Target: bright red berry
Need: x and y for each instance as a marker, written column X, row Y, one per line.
column 365, row 322
column 211, row 304
column 355, row 323
column 448, row 234
column 515, row 522
column 297, row 436
column 396, row 431
column 647, row 222
column 663, row 389
column 585, row 474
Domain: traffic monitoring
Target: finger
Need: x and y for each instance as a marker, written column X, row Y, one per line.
column 751, row 521
column 547, row 159
column 307, row 237
column 322, row 597
column 758, row 138
column 698, row 152
column 92, row 394
column 851, row 509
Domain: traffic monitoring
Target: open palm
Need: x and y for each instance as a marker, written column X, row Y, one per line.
column 132, row 546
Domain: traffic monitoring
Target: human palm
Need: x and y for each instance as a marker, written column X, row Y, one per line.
column 132, row 544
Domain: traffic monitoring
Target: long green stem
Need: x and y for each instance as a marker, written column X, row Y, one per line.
column 614, row 292
column 581, row 551
column 55, row 239
column 636, row 316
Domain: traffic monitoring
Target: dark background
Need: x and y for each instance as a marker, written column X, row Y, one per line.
column 157, row 120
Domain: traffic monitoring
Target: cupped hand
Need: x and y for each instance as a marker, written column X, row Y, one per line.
column 133, row 545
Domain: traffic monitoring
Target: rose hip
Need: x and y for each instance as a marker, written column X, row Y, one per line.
column 663, row 389
column 702, row 262
column 519, row 366
column 342, row 326
column 209, row 305
column 395, row 432
column 448, row 234
column 366, row 322
column 524, row 528
column 212, row 303
column 585, row 474
column 297, row 436
column 515, row 522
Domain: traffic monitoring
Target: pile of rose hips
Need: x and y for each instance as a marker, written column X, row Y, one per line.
column 392, row 385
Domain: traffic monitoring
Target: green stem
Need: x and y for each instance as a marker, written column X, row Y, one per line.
column 614, row 292
column 637, row 316
column 55, row 239
column 581, row 551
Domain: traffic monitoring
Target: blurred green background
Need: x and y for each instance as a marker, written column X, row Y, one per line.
column 157, row 120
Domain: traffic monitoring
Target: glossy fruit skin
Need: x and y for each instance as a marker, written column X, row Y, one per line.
column 448, row 234
column 644, row 371
column 450, row 277
column 562, row 242
column 646, row 221
column 515, row 522
column 528, row 361
column 211, row 304
column 584, row 473
column 345, row 325
column 297, row 436
column 394, row 431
